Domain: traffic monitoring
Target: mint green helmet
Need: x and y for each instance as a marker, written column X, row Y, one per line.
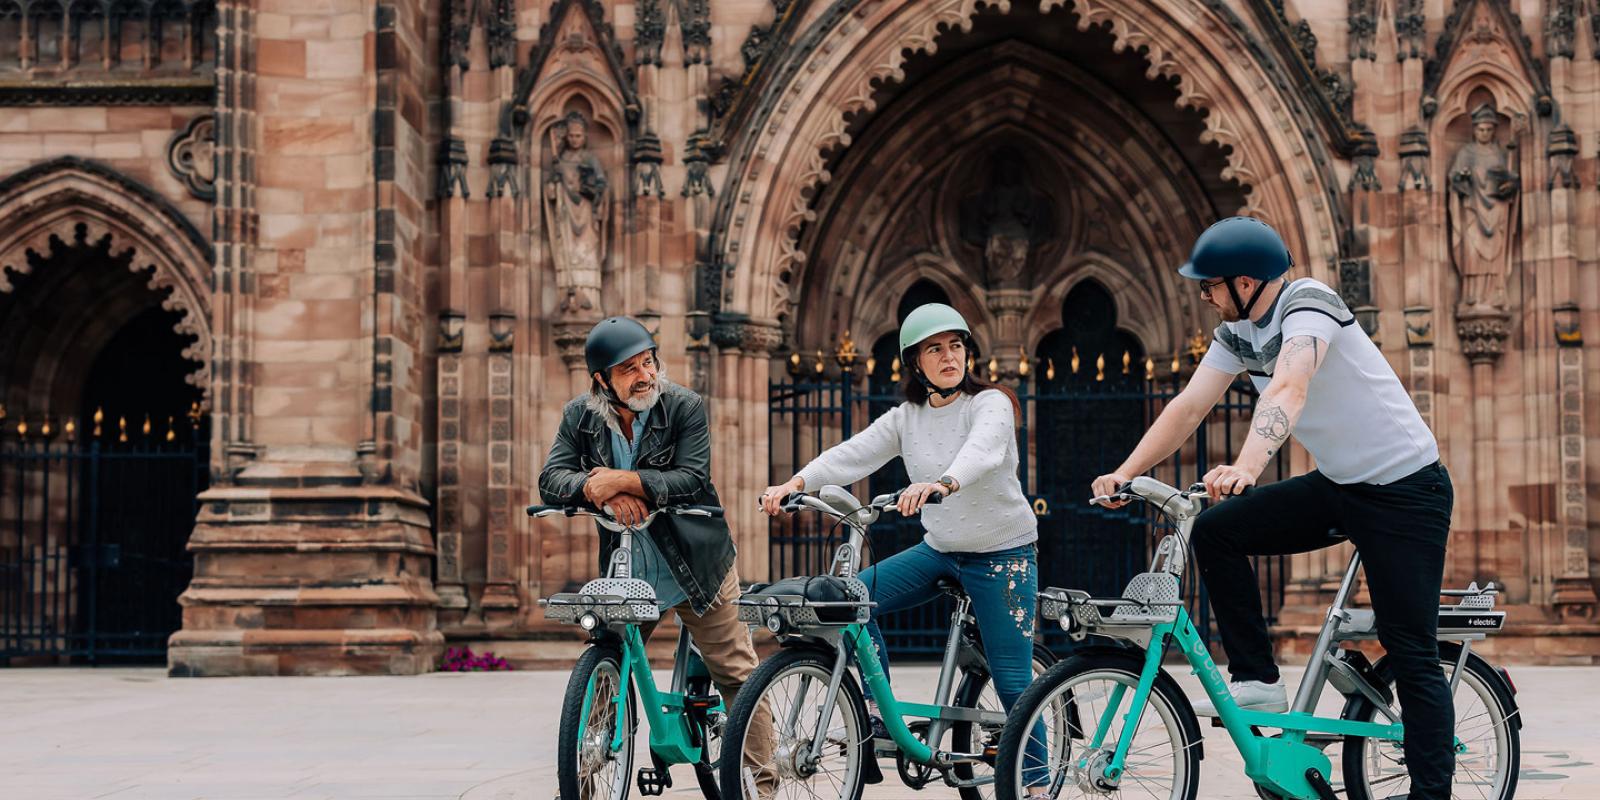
column 927, row 320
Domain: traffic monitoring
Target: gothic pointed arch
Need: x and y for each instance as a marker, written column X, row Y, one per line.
column 71, row 203
column 1489, row 35
column 575, row 38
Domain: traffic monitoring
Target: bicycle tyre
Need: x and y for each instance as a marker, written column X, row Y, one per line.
column 1057, row 686
column 967, row 695
column 705, row 772
column 598, row 662
column 1361, row 753
column 854, row 740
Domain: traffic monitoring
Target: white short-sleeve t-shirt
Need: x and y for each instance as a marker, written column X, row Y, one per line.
column 1358, row 422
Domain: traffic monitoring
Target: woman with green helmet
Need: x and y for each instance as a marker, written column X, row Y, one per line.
column 957, row 436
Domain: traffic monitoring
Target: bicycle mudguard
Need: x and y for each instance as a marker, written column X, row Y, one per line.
column 1450, row 651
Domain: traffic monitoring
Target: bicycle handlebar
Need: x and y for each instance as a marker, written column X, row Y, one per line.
column 792, row 502
column 713, row 512
column 1151, row 490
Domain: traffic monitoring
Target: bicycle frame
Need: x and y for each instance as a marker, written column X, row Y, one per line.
column 854, row 639
column 665, row 712
column 672, row 738
column 1280, row 762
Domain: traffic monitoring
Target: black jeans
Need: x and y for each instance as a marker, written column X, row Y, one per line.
column 1400, row 529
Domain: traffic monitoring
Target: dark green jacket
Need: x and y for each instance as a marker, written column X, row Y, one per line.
column 674, row 466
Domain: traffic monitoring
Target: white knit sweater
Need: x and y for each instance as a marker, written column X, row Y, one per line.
column 973, row 440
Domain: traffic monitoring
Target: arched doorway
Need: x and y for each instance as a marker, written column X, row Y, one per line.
column 103, row 441
column 1045, row 179
column 1090, row 406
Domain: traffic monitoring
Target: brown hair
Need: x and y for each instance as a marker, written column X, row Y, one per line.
column 917, row 392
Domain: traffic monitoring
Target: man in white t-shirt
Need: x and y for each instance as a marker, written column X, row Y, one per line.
column 1378, row 479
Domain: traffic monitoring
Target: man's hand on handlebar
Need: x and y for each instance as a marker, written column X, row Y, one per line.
column 627, row 509
column 1107, row 485
column 915, row 496
column 772, row 498
column 1228, row 479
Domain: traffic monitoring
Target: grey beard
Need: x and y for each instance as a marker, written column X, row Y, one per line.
column 639, row 404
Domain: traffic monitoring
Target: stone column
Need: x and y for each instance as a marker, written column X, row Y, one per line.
column 571, row 558
column 1483, row 334
column 1008, row 348
column 1574, row 596
column 313, row 550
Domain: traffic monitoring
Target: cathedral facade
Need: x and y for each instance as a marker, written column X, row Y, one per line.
column 348, row 251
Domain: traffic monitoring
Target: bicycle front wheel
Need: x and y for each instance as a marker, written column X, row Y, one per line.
column 587, row 768
column 1490, row 752
column 1070, row 704
column 768, row 743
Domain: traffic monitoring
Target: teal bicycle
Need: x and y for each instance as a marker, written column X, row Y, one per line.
column 1123, row 728
column 819, row 741
column 600, row 712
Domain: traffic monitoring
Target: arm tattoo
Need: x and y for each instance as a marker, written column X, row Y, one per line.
column 1273, row 425
column 1299, row 344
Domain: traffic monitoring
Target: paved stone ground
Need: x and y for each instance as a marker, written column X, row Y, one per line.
column 133, row 733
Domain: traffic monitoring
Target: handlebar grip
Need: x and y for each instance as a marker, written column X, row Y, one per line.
column 712, row 511
column 934, row 499
column 539, row 509
column 785, row 502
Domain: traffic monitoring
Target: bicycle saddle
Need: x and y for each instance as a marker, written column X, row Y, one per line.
column 949, row 586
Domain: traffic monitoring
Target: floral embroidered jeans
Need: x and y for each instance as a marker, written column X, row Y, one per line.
column 1004, row 587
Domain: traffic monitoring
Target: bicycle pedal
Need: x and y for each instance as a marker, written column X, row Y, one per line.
column 701, row 702
column 653, row 782
column 1320, row 785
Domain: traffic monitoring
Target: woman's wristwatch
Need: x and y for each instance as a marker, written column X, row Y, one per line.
column 949, row 484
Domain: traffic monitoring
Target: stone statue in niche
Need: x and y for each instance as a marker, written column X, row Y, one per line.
column 576, row 199
column 1483, row 212
column 1006, row 220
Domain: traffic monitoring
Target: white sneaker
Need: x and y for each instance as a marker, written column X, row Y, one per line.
column 1251, row 696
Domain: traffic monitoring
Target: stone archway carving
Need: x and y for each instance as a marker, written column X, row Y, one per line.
column 877, row 232
column 70, row 199
column 774, row 173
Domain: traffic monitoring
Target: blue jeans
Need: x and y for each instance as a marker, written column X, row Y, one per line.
column 1004, row 587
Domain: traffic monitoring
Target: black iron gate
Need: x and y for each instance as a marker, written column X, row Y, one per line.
column 92, row 544
column 1071, row 432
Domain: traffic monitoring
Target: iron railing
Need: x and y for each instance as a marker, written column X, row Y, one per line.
column 1070, row 432
column 92, row 546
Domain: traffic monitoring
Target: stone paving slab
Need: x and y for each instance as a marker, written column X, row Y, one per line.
column 133, row 734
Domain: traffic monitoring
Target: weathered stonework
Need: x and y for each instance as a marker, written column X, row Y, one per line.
column 353, row 209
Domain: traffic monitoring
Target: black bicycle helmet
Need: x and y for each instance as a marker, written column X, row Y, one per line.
column 1238, row 247
column 613, row 341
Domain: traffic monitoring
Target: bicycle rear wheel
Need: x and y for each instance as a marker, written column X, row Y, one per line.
column 1069, row 702
column 977, row 691
column 706, row 771
column 1487, row 766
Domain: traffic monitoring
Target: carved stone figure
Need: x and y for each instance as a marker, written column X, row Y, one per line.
column 576, row 198
column 1006, row 219
column 1483, row 203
